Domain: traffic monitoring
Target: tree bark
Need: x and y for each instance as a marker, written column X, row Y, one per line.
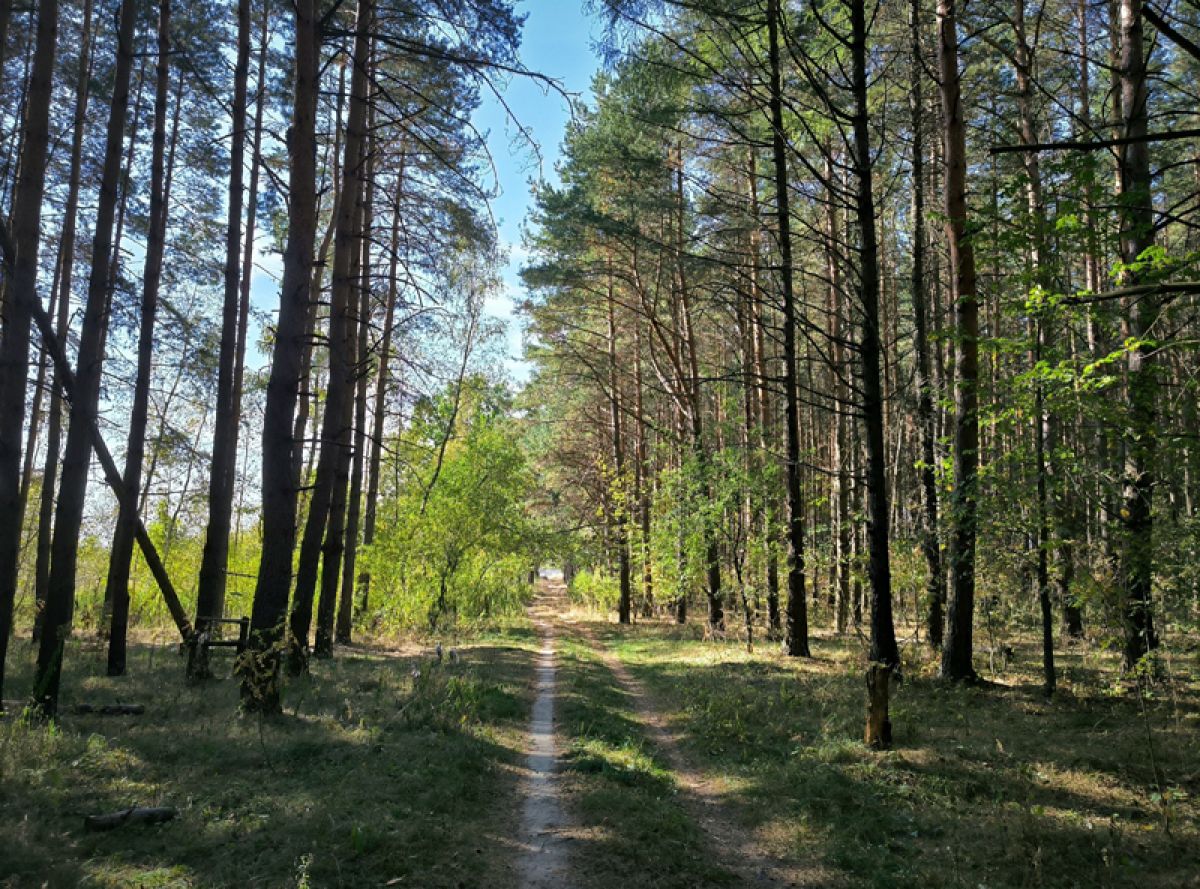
column 260, row 671
column 18, row 306
column 957, row 652
column 1140, row 436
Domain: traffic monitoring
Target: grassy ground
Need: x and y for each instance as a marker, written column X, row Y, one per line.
column 987, row 787
column 632, row 828
column 372, row 777
column 378, row 777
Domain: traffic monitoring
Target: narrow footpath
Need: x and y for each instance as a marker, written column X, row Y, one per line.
column 543, row 861
column 545, row 830
column 739, row 850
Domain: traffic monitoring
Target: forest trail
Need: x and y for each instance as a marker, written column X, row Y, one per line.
column 543, row 863
column 701, row 795
column 545, row 824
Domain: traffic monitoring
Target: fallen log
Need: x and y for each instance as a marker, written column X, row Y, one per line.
column 132, row 815
column 111, row 709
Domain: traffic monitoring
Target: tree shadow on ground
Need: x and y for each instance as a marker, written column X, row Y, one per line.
column 987, row 786
column 373, row 773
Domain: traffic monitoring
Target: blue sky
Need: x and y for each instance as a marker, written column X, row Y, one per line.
column 558, row 42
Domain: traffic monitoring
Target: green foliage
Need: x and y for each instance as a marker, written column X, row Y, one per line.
column 455, row 542
column 595, row 589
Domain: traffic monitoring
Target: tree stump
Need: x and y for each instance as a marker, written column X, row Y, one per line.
column 878, row 734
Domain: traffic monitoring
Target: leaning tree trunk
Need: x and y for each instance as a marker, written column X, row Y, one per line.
column 957, row 652
column 260, row 671
column 797, row 607
column 121, row 552
column 19, row 302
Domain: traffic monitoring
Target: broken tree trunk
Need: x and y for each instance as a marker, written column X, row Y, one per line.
column 110, row 709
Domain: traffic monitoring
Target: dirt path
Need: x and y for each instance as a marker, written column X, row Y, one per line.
column 701, row 796
column 543, row 860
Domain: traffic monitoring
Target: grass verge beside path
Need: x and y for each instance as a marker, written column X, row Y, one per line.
column 372, row 775
column 988, row 787
column 631, row 830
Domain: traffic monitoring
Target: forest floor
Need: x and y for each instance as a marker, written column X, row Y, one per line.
column 675, row 762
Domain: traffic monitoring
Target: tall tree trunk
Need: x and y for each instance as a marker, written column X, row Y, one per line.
column 379, row 410
column 641, row 484
column 840, row 433
column 18, row 307
column 121, row 552
column 883, row 632
column 758, row 313
column 64, row 547
column 247, row 275
column 210, row 593
column 308, row 394
column 797, row 607
column 957, row 652
column 345, row 615
column 333, row 468
column 65, row 279
column 1140, row 435
column 622, row 506
column 260, row 675
column 1039, row 264
column 935, row 584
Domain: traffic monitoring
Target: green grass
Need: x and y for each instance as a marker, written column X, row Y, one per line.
column 371, row 775
column 633, row 829
column 987, row 786
column 374, row 775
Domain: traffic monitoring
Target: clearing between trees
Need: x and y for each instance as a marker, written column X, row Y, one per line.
column 681, row 762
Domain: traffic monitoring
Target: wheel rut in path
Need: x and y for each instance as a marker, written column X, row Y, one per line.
column 543, row 861
column 701, row 796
